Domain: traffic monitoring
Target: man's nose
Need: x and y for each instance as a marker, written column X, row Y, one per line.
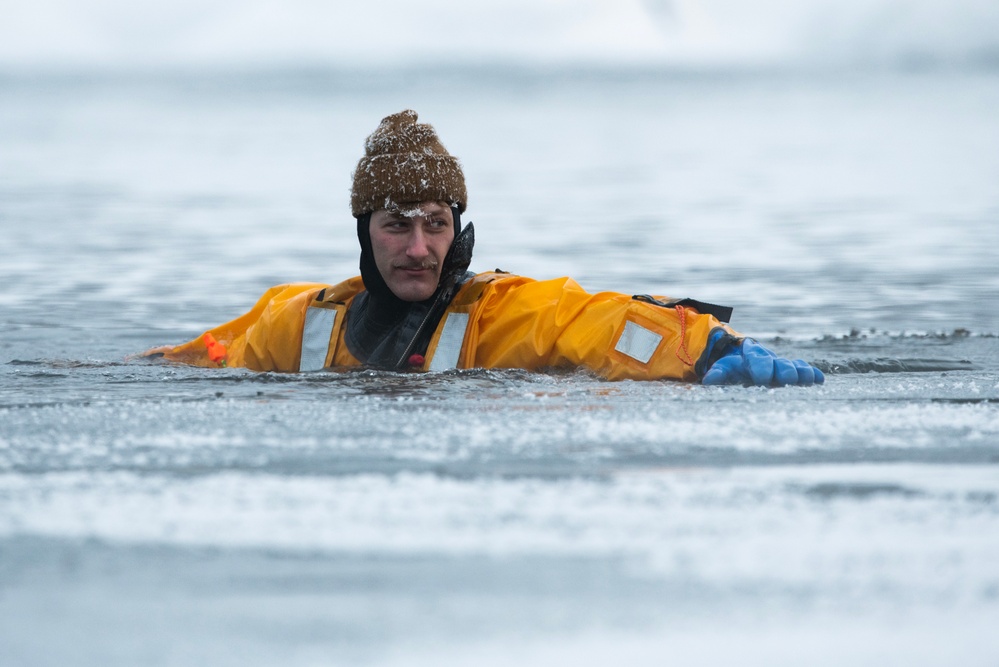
column 417, row 244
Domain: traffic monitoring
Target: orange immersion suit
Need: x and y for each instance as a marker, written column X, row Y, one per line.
column 496, row 320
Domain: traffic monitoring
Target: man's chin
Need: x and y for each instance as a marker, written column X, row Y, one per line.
column 414, row 290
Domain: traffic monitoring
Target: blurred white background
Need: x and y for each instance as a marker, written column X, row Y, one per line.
column 121, row 33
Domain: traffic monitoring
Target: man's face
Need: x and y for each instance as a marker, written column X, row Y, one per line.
column 409, row 246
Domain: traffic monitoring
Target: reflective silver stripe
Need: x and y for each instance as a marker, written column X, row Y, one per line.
column 449, row 345
column 316, row 338
column 638, row 342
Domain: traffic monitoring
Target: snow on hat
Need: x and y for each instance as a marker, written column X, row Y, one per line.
column 405, row 162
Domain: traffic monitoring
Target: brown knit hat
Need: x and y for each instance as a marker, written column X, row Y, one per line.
column 405, row 162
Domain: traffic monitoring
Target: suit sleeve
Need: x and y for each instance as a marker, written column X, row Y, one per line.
column 266, row 338
column 521, row 323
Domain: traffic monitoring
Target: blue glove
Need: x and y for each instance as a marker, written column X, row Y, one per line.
column 749, row 363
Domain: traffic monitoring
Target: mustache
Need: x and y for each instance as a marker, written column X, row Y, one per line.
column 425, row 264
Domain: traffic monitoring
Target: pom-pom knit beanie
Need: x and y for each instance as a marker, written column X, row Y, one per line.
column 405, row 162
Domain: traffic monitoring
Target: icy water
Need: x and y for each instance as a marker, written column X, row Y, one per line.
column 160, row 515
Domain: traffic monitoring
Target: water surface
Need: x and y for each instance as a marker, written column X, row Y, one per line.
column 162, row 515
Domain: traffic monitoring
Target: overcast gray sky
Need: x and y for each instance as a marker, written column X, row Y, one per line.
column 392, row 32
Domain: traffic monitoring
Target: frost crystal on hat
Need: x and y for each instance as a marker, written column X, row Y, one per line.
column 405, row 162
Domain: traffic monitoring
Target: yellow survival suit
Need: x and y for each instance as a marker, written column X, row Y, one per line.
column 496, row 320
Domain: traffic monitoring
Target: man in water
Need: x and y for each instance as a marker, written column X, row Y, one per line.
column 416, row 306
